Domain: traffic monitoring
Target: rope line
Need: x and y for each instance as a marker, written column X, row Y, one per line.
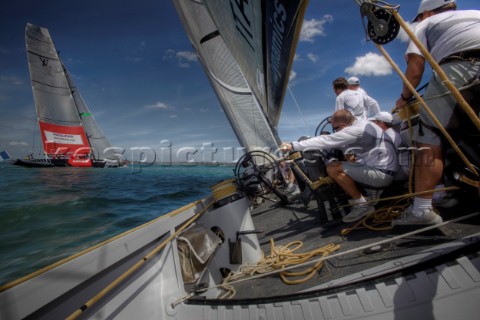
column 280, row 259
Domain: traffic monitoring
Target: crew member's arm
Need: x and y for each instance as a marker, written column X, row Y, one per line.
column 414, row 72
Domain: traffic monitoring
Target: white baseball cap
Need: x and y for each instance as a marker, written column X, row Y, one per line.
column 353, row 81
column 429, row 5
column 384, row 117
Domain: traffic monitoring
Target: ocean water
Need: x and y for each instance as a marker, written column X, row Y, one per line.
column 47, row 214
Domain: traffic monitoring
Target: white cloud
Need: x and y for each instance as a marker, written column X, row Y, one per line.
column 293, row 75
column 187, row 55
column 183, row 57
column 371, row 64
column 312, row 57
column 158, row 105
column 12, row 80
column 313, row 28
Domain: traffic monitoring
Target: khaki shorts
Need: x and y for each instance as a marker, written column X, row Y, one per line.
column 366, row 175
column 441, row 102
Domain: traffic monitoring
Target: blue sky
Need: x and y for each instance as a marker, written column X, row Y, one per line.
column 137, row 72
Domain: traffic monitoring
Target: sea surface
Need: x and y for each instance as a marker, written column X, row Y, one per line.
column 47, row 214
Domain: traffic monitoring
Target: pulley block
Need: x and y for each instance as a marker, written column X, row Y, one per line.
column 382, row 27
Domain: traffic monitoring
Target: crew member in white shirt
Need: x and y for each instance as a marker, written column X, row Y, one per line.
column 371, row 104
column 375, row 159
column 453, row 39
column 384, row 120
column 350, row 100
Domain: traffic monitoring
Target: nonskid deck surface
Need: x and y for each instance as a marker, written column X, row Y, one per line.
column 288, row 223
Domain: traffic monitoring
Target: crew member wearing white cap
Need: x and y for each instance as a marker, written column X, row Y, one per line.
column 453, row 39
column 384, row 120
column 350, row 100
column 375, row 162
column 371, row 104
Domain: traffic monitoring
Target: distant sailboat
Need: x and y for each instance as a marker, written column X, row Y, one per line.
column 70, row 134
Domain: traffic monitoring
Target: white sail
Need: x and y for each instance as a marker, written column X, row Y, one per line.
column 262, row 37
column 101, row 147
column 241, row 106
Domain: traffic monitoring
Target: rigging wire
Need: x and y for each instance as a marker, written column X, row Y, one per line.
column 298, row 108
column 33, row 138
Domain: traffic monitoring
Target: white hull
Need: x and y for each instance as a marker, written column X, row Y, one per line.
column 155, row 290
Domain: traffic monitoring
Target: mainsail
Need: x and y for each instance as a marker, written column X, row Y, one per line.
column 264, row 51
column 249, row 87
column 66, row 125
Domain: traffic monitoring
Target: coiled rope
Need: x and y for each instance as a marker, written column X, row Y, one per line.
column 280, row 258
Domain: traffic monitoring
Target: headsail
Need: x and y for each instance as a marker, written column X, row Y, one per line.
column 237, row 75
column 65, row 128
column 101, row 147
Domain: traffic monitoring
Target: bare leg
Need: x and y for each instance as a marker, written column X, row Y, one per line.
column 428, row 168
column 428, row 172
column 335, row 171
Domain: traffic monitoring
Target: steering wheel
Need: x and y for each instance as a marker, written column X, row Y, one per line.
column 256, row 172
column 324, row 127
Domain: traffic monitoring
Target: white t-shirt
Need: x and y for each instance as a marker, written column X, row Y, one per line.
column 447, row 33
column 366, row 140
column 353, row 101
column 371, row 104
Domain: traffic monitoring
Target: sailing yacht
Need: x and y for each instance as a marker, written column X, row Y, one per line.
column 70, row 135
column 250, row 250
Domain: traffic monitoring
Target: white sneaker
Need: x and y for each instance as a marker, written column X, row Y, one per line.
column 428, row 217
column 358, row 212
